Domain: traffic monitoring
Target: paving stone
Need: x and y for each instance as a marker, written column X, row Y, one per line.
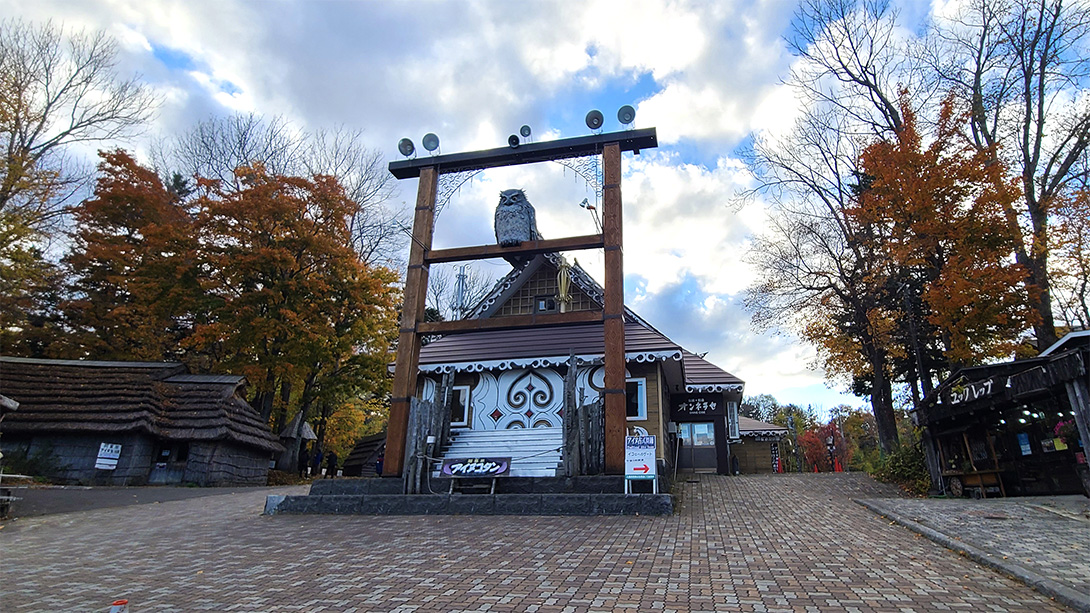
column 749, row 543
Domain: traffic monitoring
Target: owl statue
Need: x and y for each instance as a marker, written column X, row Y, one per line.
column 515, row 219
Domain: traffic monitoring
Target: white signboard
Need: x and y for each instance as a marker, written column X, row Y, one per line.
column 108, row 453
column 639, row 457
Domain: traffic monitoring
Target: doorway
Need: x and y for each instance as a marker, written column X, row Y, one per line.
column 697, row 446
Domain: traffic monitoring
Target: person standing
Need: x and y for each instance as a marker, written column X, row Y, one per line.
column 316, row 462
column 304, row 459
column 331, row 464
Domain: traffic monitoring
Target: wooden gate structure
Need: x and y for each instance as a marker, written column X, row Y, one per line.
column 609, row 146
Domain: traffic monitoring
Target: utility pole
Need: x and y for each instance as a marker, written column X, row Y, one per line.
column 460, row 294
column 795, row 436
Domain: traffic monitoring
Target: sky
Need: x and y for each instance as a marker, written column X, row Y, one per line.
column 707, row 75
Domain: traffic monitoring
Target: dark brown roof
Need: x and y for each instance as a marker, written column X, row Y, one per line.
column 700, row 372
column 159, row 398
column 585, row 339
column 748, row 425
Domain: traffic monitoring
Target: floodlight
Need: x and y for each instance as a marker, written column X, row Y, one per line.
column 406, row 147
column 626, row 114
column 431, row 141
column 594, row 119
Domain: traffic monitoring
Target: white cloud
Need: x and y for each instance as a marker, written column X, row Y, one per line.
column 706, row 74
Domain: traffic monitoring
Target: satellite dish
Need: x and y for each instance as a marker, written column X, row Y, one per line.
column 406, row 147
column 525, row 131
column 431, row 141
column 513, row 141
column 626, row 114
column 594, row 119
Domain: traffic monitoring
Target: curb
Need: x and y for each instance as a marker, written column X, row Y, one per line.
column 1048, row 587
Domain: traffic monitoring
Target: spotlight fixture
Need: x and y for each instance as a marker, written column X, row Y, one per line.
column 406, row 147
column 626, row 114
column 594, row 119
column 513, row 141
column 431, row 141
column 525, row 131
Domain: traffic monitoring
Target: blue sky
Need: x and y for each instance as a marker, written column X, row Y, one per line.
column 707, row 75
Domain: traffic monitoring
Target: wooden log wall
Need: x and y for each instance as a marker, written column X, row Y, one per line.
column 570, row 421
column 591, row 423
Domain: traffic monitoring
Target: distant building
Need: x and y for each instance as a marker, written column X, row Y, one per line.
column 758, row 449
column 133, row 423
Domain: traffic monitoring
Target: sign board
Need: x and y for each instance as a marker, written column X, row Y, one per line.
column 476, row 467
column 108, row 454
column 690, row 407
column 639, row 457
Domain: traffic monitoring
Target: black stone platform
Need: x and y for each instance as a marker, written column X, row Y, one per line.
column 514, row 496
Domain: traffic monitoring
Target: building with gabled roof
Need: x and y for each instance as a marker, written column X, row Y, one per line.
column 507, row 385
column 132, row 423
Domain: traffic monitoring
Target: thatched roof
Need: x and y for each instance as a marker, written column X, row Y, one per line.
column 158, row 398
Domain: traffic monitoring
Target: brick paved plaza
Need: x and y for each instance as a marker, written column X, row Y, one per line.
column 750, row 543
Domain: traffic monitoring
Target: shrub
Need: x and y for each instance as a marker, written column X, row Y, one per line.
column 42, row 465
column 907, row 468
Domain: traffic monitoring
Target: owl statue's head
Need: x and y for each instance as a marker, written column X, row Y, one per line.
column 512, row 197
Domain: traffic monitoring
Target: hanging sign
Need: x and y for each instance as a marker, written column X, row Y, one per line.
column 639, row 457
column 108, row 454
column 687, row 407
column 476, row 467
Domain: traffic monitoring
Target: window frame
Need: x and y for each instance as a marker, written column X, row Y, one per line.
column 641, row 402
column 468, row 405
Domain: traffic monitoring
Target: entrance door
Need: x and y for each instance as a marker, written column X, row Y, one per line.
column 697, row 446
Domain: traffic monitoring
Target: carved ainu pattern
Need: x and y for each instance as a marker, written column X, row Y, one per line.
column 530, row 387
column 518, row 399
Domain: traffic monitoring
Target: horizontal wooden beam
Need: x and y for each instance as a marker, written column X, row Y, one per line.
column 484, row 252
column 529, row 153
column 462, row 326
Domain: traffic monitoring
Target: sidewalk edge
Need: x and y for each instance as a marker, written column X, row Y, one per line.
column 1062, row 593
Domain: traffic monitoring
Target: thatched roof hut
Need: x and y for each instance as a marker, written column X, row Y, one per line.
column 193, row 428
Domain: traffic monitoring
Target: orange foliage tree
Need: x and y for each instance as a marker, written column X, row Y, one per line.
column 260, row 281
column 289, row 303
column 131, row 260
column 936, row 212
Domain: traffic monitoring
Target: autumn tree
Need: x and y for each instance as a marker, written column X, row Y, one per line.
column 1022, row 68
column 134, row 284
column 31, row 288
column 1070, row 251
column 216, row 147
column 935, row 213
column 290, row 305
column 57, row 89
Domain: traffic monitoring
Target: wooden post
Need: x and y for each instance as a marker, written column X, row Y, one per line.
column 412, row 311
column 613, row 315
column 571, row 413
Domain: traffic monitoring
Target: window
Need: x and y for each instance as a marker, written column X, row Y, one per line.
column 635, row 393
column 459, row 406
column 697, row 434
column 732, row 420
column 545, row 304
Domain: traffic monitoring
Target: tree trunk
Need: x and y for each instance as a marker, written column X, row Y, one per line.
column 881, row 401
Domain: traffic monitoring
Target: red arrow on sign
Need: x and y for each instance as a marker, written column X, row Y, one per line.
column 642, row 469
